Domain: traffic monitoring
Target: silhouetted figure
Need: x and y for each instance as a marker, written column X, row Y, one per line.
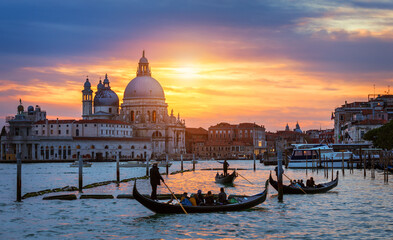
column 155, row 178
column 222, row 196
column 225, row 167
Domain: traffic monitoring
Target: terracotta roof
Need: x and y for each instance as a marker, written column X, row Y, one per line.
column 196, row 130
column 134, row 139
column 371, row 122
column 55, row 121
column 103, row 121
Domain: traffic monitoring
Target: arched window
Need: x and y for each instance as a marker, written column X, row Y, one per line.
column 148, row 116
column 52, row 150
column 154, row 116
column 119, row 147
column 77, row 132
column 144, row 147
column 92, row 147
column 106, row 147
column 132, row 116
column 132, row 147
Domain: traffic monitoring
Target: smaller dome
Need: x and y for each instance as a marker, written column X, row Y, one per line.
column 30, row 109
column 106, row 97
column 20, row 108
column 100, row 86
column 87, row 84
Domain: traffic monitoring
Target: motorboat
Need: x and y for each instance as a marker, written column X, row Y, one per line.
column 319, row 155
column 76, row 164
column 132, row 164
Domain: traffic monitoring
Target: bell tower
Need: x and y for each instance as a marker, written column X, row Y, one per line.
column 87, row 100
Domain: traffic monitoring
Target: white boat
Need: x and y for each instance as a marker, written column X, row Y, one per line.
column 76, row 164
column 307, row 156
column 131, row 164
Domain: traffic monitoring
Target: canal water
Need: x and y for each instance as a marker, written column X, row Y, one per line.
column 358, row 208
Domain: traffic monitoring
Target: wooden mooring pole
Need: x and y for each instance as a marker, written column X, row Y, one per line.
column 332, row 168
column 193, row 162
column 80, row 172
column 255, row 167
column 279, row 176
column 306, row 165
column 181, row 162
column 147, row 166
column 342, row 162
column 372, row 168
column 167, row 165
column 18, row 177
column 364, row 165
column 118, row 168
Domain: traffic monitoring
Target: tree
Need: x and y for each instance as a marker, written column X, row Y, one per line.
column 381, row 137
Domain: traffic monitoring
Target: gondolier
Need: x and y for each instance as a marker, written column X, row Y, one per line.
column 225, row 167
column 155, row 178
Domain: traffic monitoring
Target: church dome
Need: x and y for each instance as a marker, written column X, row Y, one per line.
column 87, row 84
column 105, row 96
column 144, row 86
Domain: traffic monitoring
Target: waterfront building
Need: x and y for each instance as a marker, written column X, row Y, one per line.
column 140, row 128
column 230, row 141
column 195, row 140
column 353, row 120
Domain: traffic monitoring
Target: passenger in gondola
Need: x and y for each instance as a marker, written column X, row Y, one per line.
column 199, row 198
column 222, row 197
column 184, row 200
column 155, row 178
column 217, row 175
column 312, row 183
column 193, row 200
column 209, row 199
column 301, row 183
column 225, row 167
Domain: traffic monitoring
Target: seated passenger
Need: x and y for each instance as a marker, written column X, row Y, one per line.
column 308, row 183
column 301, row 183
column 222, row 196
column 312, row 183
column 193, row 200
column 185, row 200
column 209, row 199
column 199, row 198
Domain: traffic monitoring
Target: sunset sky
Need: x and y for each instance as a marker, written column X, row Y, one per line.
column 268, row 62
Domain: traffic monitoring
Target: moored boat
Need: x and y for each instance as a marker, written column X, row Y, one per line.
column 226, row 179
column 319, row 155
column 76, row 164
column 292, row 189
column 242, row 204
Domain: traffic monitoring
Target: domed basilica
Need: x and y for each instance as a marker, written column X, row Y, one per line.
column 140, row 128
column 143, row 106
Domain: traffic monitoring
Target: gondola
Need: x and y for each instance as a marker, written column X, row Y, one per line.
column 227, row 179
column 324, row 187
column 159, row 207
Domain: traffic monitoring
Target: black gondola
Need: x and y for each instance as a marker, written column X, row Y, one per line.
column 227, row 179
column 243, row 203
column 323, row 187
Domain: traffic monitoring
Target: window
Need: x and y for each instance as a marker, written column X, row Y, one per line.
column 51, row 131
column 154, row 116
column 67, row 131
column 77, row 132
column 59, row 131
column 51, row 126
column 85, row 125
column 43, row 132
column 110, row 110
column 95, row 125
column 36, row 132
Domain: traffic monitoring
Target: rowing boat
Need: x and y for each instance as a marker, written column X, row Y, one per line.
column 226, row 179
column 242, row 204
column 292, row 189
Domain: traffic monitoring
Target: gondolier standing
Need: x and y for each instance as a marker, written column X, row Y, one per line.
column 225, row 167
column 155, row 178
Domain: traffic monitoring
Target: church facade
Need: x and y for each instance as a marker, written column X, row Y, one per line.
column 139, row 128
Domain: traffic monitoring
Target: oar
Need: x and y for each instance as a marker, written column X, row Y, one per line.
column 294, row 184
column 244, row 178
column 175, row 198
